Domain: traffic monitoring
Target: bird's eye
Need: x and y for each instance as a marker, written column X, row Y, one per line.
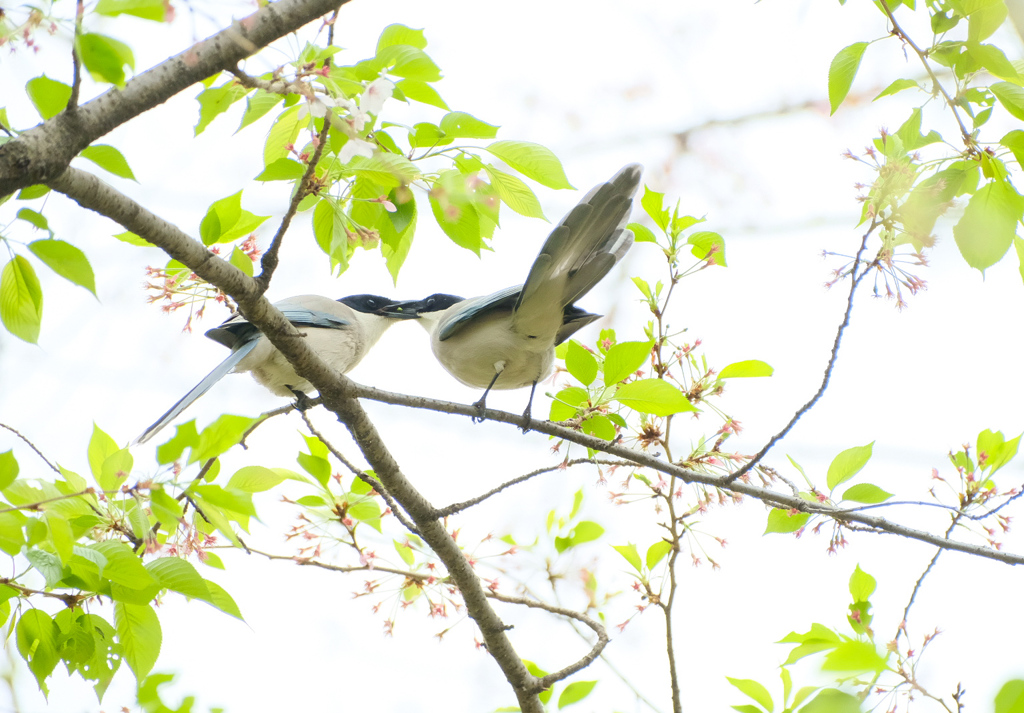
column 371, row 303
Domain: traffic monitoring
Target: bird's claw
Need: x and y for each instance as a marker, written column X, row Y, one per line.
column 527, row 421
column 479, row 406
column 302, row 402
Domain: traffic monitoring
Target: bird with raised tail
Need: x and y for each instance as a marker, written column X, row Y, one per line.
column 507, row 340
column 340, row 331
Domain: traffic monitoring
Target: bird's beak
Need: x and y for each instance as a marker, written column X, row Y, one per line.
column 402, row 310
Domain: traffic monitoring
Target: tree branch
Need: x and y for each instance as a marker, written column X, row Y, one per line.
column 595, row 651
column 855, row 280
column 33, row 447
column 466, row 504
column 772, row 498
column 41, row 154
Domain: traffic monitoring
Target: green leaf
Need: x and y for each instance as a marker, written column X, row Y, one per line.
column 457, row 217
column 240, row 260
column 138, row 630
column 784, row 521
column 599, row 426
column 36, row 634
column 866, row 493
column 657, row 552
column 21, row 299
column 220, row 436
column 581, row 363
column 398, row 34
column 460, row 125
column 586, row 531
column 708, row 245
column 631, row 555
column 255, row 479
column 744, row 369
column 45, row 563
column 60, row 535
column 1010, row 698
column 898, row 86
column 219, row 597
column 575, row 692
column 832, row 700
column 109, row 159
column 225, row 220
column 66, row 260
column 409, row 62
column 1019, row 246
column 257, row 105
column 105, row 57
column 29, row 193
column 983, row 18
column 653, row 396
column 1014, row 141
column 858, row 656
column 754, row 690
column 992, row 58
column 847, row 464
column 35, row 218
column 282, row 135
column 283, row 169
column 514, row 193
column 985, row 231
column 179, row 576
column 185, row 436
column 48, row 96
column 625, row 359
column 133, row 239
column 8, row 469
column 533, row 161
column 123, row 566
column 421, row 92
column 155, row 10
column 330, row 230
column 842, row 71
column 862, row 585
column 1011, row 97
column 641, row 233
column 652, row 203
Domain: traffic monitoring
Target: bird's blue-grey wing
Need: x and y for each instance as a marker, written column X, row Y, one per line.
column 471, row 309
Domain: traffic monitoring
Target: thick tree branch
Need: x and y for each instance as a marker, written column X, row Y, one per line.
column 42, row 153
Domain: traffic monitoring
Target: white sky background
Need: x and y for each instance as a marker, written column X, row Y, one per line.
column 602, row 84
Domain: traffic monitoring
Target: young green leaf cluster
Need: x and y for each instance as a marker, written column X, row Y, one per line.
column 920, row 175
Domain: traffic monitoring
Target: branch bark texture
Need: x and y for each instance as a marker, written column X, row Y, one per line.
column 43, row 153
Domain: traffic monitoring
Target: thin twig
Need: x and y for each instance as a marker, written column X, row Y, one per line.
column 466, row 504
column 33, row 447
column 899, row 32
column 854, row 282
column 76, row 62
column 199, row 476
column 305, row 562
column 595, row 651
column 377, row 486
column 270, row 260
column 920, row 580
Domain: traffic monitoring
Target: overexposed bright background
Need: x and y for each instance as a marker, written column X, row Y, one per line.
column 725, row 105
